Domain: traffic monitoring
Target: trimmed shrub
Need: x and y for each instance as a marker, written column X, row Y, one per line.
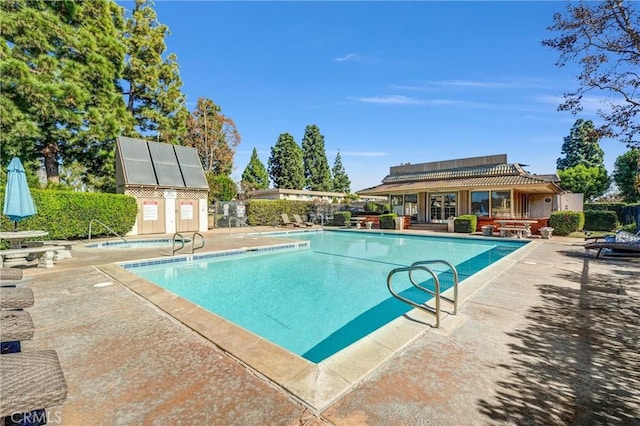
column 341, row 218
column 66, row 214
column 465, row 223
column 596, row 220
column 612, row 207
column 267, row 212
column 388, row 221
column 566, row 222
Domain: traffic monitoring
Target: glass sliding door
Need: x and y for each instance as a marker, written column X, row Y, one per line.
column 442, row 206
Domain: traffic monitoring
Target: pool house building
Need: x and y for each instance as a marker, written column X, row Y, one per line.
column 168, row 183
column 428, row 194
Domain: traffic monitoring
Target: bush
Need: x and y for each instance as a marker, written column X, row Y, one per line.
column 466, row 223
column 341, row 218
column 66, row 214
column 596, row 220
column 613, row 207
column 267, row 212
column 388, row 221
column 566, row 222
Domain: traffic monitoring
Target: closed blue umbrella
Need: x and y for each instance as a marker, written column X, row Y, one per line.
column 18, row 203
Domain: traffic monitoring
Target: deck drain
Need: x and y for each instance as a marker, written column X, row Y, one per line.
column 104, row 284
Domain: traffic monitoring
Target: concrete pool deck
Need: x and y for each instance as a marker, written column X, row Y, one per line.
column 550, row 337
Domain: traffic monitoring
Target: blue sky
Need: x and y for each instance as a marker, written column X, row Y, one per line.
column 386, row 82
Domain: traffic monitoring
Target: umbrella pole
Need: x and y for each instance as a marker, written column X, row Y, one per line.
column 15, row 225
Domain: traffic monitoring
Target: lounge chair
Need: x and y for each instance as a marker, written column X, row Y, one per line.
column 621, row 243
column 301, row 222
column 286, row 222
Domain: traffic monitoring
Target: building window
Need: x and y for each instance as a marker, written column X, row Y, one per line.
column 501, row 204
column 480, row 203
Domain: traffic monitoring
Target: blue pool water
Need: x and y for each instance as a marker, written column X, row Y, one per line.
column 316, row 301
column 163, row 242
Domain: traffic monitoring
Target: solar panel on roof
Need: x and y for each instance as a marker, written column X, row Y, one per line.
column 166, row 164
column 137, row 162
column 191, row 167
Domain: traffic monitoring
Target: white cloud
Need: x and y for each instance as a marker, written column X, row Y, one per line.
column 400, row 100
column 348, row 57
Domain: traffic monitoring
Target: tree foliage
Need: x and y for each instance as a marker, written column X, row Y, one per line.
column 604, row 39
column 214, row 136
column 627, row 175
column 314, row 157
column 221, row 187
column 255, row 175
column 153, row 83
column 581, row 147
column 60, row 62
column 286, row 169
column 341, row 182
column 590, row 181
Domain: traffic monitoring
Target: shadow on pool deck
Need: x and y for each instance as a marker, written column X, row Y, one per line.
column 552, row 339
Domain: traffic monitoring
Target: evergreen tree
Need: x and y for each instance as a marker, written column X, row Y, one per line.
column 581, row 147
column 214, row 136
column 316, row 166
column 341, row 182
column 627, row 175
column 590, row 181
column 255, row 175
column 60, row 62
column 285, row 164
column 582, row 170
column 154, row 86
column 221, row 187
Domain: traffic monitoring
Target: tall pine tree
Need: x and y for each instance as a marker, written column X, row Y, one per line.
column 60, row 63
column 285, row 164
column 255, row 175
column 316, row 166
column 581, row 147
column 341, row 182
column 153, row 83
column 582, row 169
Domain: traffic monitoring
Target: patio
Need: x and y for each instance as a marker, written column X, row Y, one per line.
column 552, row 339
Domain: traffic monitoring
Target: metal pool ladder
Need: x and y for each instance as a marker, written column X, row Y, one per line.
column 420, row 266
column 181, row 240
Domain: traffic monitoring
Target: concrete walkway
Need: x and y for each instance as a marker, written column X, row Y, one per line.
column 553, row 338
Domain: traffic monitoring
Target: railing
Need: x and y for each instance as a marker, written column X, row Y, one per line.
column 425, row 308
column 454, row 271
column 181, row 240
column 242, row 222
column 420, row 266
column 108, row 229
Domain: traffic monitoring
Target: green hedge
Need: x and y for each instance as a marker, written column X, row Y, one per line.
column 388, row 221
column 341, row 218
column 465, row 223
column 267, row 212
column 566, row 222
column 612, row 207
column 65, row 215
column 596, row 220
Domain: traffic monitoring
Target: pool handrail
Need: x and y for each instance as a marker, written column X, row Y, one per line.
column 108, row 229
column 425, row 308
column 193, row 240
column 242, row 222
column 455, row 280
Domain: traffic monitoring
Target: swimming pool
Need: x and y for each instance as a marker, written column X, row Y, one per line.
column 316, row 299
column 146, row 243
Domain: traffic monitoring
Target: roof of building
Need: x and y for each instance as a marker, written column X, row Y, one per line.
column 477, row 172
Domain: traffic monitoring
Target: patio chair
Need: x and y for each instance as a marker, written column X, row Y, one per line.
column 31, row 381
column 286, row 222
column 300, row 222
column 622, row 242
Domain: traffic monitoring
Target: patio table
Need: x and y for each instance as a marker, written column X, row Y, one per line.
column 16, row 238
